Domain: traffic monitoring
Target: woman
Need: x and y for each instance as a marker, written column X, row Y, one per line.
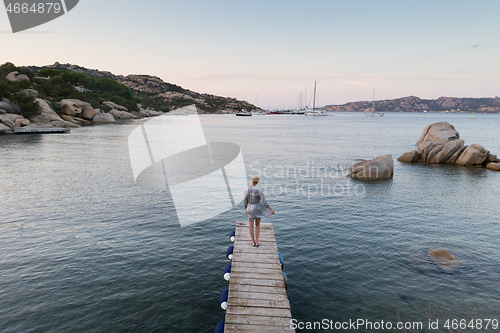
column 256, row 207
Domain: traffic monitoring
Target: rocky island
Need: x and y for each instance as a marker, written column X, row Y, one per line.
column 416, row 104
column 440, row 143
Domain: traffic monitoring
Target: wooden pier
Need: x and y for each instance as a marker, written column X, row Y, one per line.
column 257, row 300
column 41, row 130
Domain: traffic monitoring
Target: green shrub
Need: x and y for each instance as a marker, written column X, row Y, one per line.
column 29, row 108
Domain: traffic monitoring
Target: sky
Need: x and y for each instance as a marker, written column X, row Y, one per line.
column 268, row 52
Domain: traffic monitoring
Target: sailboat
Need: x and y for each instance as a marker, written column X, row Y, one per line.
column 313, row 111
column 243, row 113
column 375, row 114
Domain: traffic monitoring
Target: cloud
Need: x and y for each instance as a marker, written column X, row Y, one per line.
column 357, row 83
column 475, row 45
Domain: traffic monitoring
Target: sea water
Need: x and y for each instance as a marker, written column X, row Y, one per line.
column 84, row 249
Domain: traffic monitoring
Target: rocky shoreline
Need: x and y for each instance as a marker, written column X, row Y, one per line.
column 74, row 113
column 416, row 104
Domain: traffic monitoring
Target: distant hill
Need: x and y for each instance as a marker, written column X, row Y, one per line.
column 416, row 104
column 151, row 91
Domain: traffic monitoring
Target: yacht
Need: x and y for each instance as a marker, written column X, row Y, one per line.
column 244, row 113
column 313, row 111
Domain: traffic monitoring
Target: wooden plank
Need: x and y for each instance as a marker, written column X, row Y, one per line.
column 250, row 310
column 239, row 269
column 262, row 249
column 245, row 328
column 258, row 282
column 262, row 303
column 256, row 295
column 257, row 260
column 256, row 289
column 258, row 265
column 259, row 320
column 268, row 275
column 263, row 245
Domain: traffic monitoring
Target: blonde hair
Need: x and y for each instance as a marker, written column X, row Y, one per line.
column 255, row 180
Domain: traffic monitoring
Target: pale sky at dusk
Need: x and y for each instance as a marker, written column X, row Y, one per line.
column 274, row 49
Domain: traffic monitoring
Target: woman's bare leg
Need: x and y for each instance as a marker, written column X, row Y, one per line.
column 250, row 229
column 257, row 231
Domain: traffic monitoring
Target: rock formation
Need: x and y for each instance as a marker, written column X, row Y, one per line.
column 10, row 122
column 46, row 111
column 16, row 77
column 4, row 129
column 30, row 93
column 440, row 143
column 115, row 106
column 122, row 114
column 443, row 257
column 494, row 166
column 6, row 107
column 379, row 168
column 103, row 118
column 72, row 107
column 76, row 120
column 75, row 113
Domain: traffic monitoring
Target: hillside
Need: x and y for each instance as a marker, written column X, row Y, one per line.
column 151, row 91
column 416, row 104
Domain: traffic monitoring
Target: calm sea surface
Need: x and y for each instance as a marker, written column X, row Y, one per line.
column 84, row 249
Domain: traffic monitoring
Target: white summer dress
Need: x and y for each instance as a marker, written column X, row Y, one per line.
column 256, row 205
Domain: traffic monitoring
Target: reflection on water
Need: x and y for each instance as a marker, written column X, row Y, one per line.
column 86, row 249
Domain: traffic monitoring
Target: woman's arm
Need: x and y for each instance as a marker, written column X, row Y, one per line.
column 264, row 201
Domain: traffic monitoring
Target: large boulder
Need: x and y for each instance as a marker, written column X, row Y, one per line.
column 30, row 93
column 71, row 107
column 88, row 112
column 77, row 108
column 440, row 143
column 69, row 124
column 493, row 166
column 115, row 106
column 46, row 111
column 443, row 257
column 445, row 152
column 379, row 168
column 21, row 122
column 153, row 113
column 492, row 158
column 409, row 157
column 64, row 124
column 4, row 129
column 6, row 107
column 16, row 77
column 148, row 112
column 5, row 119
column 76, row 120
column 438, row 132
column 12, row 117
column 103, row 118
column 122, row 114
column 128, row 115
column 473, row 155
